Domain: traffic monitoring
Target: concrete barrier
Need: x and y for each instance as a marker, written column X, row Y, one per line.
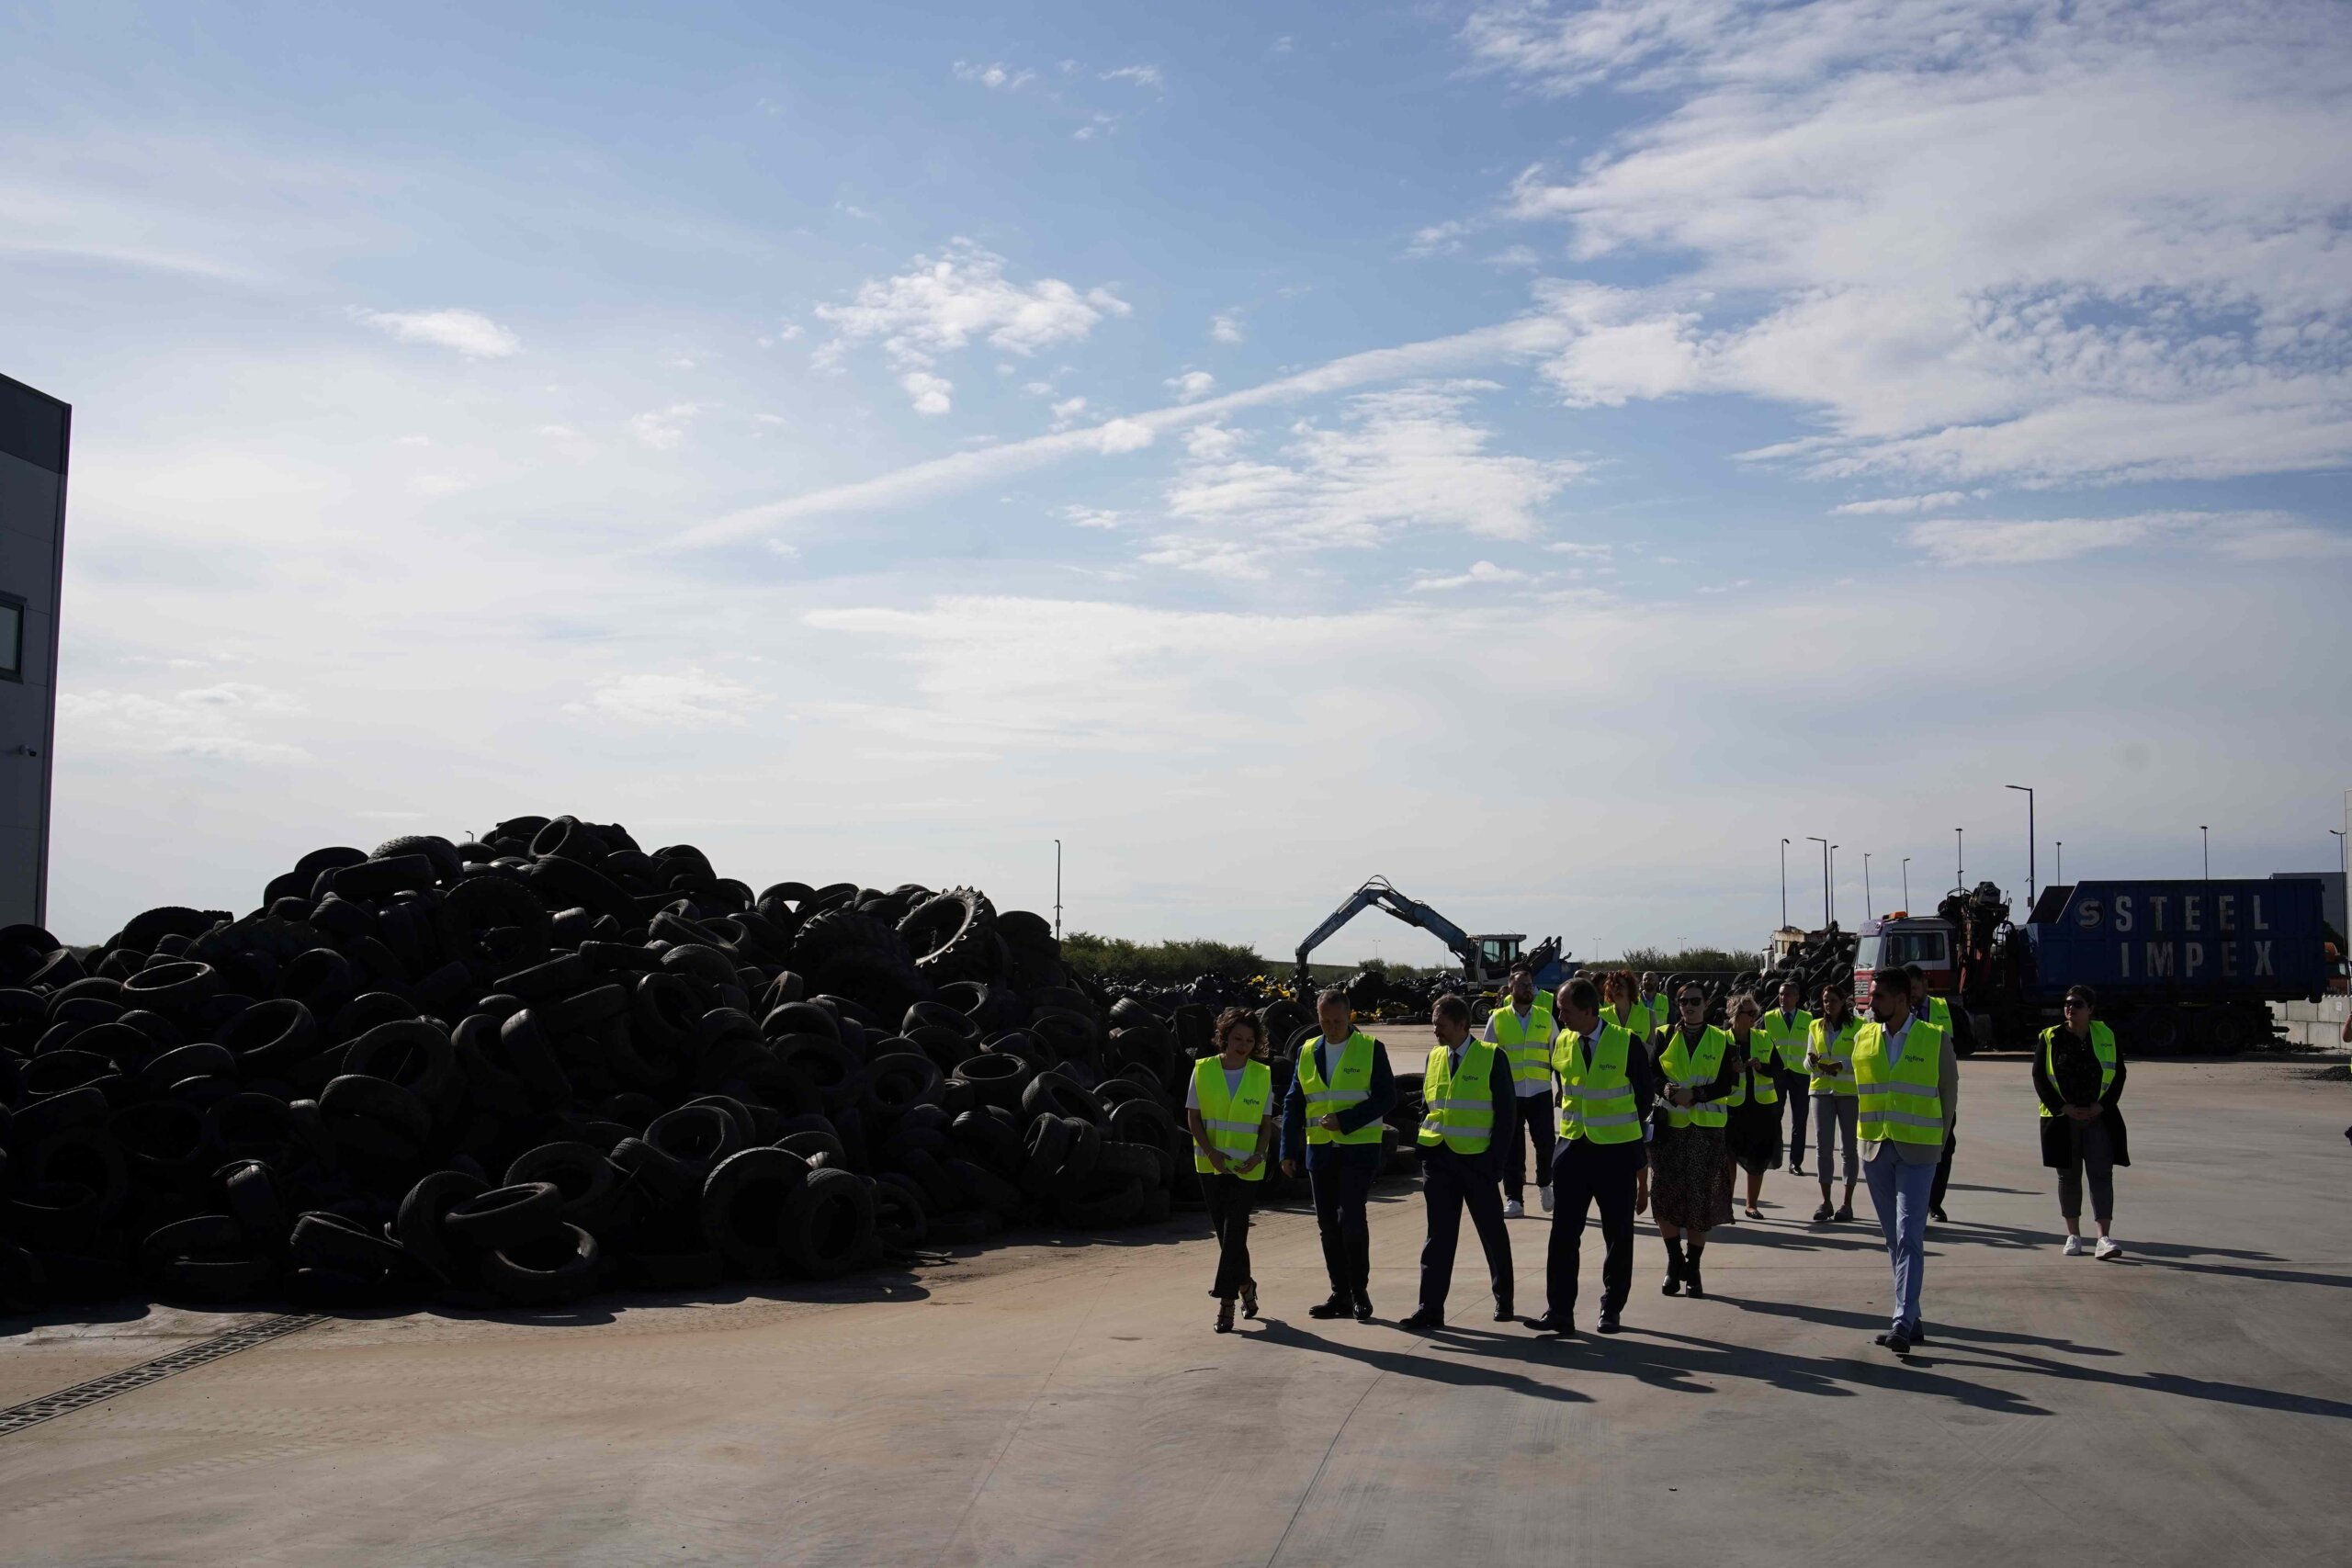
column 2319, row 1024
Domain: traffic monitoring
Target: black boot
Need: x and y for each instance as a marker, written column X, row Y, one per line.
column 1336, row 1307
column 1672, row 1284
column 1363, row 1305
column 1690, row 1274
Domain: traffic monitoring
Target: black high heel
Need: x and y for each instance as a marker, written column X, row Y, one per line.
column 1249, row 1300
column 1224, row 1315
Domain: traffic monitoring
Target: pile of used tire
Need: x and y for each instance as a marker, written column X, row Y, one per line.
column 511, row 1072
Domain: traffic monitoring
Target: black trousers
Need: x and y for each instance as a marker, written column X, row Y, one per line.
column 1535, row 1115
column 1450, row 1183
column 1944, row 1169
column 1229, row 1200
column 1585, row 1173
column 1341, row 1180
column 1797, row 1090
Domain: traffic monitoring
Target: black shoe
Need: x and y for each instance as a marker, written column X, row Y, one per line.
column 1336, row 1307
column 1896, row 1341
column 1845, row 1213
column 1691, row 1278
column 1502, row 1311
column 1548, row 1323
column 1608, row 1324
column 1917, row 1334
column 1672, row 1284
column 1937, row 1215
column 1224, row 1315
column 1821, row 1216
column 1250, row 1299
column 1423, row 1321
column 1363, row 1306
column 1796, row 1170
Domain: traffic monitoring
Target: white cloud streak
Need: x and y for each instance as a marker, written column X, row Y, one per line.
column 467, row 333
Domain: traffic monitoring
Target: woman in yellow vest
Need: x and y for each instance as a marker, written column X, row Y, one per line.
column 1752, row 1113
column 1690, row 1173
column 1230, row 1108
column 2078, row 1076
column 1621, row 1004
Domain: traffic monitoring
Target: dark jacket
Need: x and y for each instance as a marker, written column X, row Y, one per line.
column 2076, row 1063
column 1354, row 1118
column 1505, row 1094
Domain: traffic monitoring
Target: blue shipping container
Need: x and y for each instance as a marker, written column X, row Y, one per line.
column 2210, row 941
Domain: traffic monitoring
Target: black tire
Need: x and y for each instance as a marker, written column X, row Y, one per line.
column 900, row 1222
column 897, row 1084
column 504, row 1216
column 1130, row 1160
column 1104, row 1209
column 992, row 1192
column 559, row 1267
column 494, row 921
column 375, row 1100
column 1086, row 1145
column 171, row 988
column 696, row 1137
column 323, row 1239
column 590, row 1185
column 813, row 1147
column 989, row 1142
column 255, row 1200
column 1054, row 1094
column 828, row 1228
column 440, row 851
column 1046, row 1146
column 745, row 1204
column 557, row 977
column 412, row 1052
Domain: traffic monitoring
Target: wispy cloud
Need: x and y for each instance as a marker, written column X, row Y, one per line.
column 994, row 74
column 1141, row 76
column 1225, row 327
column 691, row 699
column 1481, row 573
column 1895, row 505
column 2239, row 536
column 469, row 333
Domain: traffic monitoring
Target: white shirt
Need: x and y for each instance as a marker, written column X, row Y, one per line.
column 1524, row 1091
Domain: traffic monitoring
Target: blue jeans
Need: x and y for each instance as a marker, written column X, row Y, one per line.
column 1899, row 1192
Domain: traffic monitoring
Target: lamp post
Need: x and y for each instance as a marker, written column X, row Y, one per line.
column 2062, row 860
column 2028, row 842
column 1057, row 890
column 1810, row 839
column 1833, row 884
column 2205, row 838
column 1867, row 912
column 1907, row 884
column 1784, row 884
column 1959, row 860
column 2337, row 834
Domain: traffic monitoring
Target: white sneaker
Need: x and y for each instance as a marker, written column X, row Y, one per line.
column 1543, row 1196
column 2074, row 1248
column 2107, row 1248
column 1513, row 1208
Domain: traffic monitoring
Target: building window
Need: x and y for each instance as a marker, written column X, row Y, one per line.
column 12, row 637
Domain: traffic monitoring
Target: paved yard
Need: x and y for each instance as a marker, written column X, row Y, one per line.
column 1067, row 1402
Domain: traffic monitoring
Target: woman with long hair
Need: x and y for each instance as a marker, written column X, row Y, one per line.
column 1229, row 1106
column 1621, row 1004
column 1752, row 1113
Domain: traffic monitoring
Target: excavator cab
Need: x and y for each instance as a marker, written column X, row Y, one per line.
column 1496, row 955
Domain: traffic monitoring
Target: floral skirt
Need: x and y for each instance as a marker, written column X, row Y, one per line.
column 1691, row 1177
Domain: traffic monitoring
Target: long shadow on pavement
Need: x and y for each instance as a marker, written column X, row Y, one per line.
column 1421, row 1364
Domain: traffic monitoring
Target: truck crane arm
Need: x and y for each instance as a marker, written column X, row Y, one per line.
column 1412, row 911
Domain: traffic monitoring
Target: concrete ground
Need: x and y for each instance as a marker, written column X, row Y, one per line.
column 1065, row 1403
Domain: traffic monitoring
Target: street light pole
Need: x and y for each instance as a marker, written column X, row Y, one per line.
column 1959, row 860
column 2062, row 860
column 1833, row 884
column 1785, row 885
column 2029, row 842
column 2337, row 834
column 1907, row 884
column 1057, row 890
column 1810, row 839
column 1867, row 912
column 2205, row 836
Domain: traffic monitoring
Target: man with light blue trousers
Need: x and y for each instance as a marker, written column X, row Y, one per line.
column 1908, row 1081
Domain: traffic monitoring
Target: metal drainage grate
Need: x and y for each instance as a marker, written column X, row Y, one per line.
column 65, row 1401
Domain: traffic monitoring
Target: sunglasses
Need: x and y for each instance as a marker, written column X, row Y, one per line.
column 1692, row 1001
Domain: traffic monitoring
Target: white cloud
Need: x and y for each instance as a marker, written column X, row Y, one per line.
column 1141, row 76
column 1580, row 551
column 1402, row 459
column 996, row 75
column 692, row 699
column 1066, row 412
column 1894, row 506
column 1225, row 327
column 1091, row 516
column 1192, row 385
column 469, row 333
column 1121, row 435
column 2241, row 536
column 1873, row 227
column 938, row 307
column 1439, row 239
column 1212, row 443
column 1481, row 573
column 928, row 393
column 213, row 723
column 663, row 429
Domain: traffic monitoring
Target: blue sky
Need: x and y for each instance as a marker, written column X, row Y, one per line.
column 1545, row 455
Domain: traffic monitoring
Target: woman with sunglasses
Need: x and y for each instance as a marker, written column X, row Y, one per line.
column 1752, row 1113
column 1690, row 1172
column 1621, row 1004
column 2078, row 1076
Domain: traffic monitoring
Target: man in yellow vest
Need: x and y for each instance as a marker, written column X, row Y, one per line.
column 1606, row 1084
column 1332, row 1122
column 1523, row 1030
column 1786, row 1027
column 1829, row 1058
column 1906, row 1087
column 1467, row 1106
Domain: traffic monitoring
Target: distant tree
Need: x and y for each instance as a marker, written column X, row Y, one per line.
column 1158, row 963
